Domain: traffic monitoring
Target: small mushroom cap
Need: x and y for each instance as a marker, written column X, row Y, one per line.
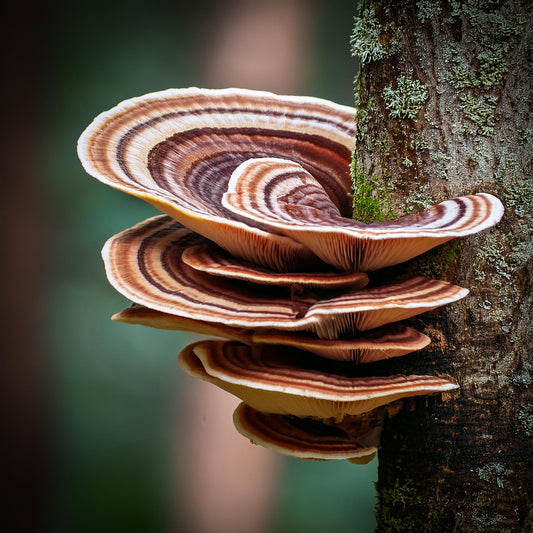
column 209, row 258
column 144, row 316
column 282, row 195
column 144, row 264
column 392, row 340
column 303, row 438
column 177, row 149
column 281, row 380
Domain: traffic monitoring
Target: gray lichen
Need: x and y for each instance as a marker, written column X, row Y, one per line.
column 427, row 9
column 490, row 471
column 406, row 100
column 490, row 251
column 516, row 186
column 441, row 161
column 480, row 110
column 478, row 75
column 418, row 201
column 492, row 67
column 525, row 415
column 364, row 42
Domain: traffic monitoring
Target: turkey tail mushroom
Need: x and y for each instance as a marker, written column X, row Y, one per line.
column 284, row 196
column 391, row 340
column 304, row 438
column 291, row 382
column 144, row 264
column 209, row 258
column 177, row 150
column 257, row 247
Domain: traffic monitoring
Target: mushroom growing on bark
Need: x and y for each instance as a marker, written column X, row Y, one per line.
column 304, row 438
column 391, row 340
column 284, row 196
column 277, row 380
column 145, row 264
column 209, row 258
column 178, row 148
column 257, row 247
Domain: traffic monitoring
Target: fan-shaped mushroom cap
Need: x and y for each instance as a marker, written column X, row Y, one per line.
column 281, row 380
column 144, row 316
column 177, row 149
column 392, row 340
column 304, row 438
column 209, row 258
column 282, row 195
column 144, row 263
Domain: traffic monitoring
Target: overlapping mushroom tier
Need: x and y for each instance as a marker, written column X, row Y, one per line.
column 284, row 196
column 392, row 340
column 209, row 258
column 178, row 148
column 287, row 381
column 257, row 246
column 145, row 264
column 305, row 438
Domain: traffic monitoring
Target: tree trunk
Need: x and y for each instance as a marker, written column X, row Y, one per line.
column 444, row 110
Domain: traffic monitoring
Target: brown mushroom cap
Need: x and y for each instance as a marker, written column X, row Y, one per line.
column 282, row 195
column 391, row 340
column 144, row 264
column 282, row 380
column 209, row 258
column 144, row 316
column 177, row 149
column 304, row 438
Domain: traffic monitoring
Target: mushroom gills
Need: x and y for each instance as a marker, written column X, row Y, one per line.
column 284, row 196
column 391, row 340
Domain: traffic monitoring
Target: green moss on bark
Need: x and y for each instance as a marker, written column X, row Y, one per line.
column 371, row 200
column 401, row 510
column 435, row 262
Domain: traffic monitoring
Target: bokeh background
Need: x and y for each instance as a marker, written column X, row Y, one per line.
column 98, row 420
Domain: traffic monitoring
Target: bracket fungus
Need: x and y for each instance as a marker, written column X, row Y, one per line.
column 178, row 148
column 392, row 340
column 284, row 196
column 277, row 380
column 256, row 246
column 304, row 438
column 216, row 261
column 145, row 264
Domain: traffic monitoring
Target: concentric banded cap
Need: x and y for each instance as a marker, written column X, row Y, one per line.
column 282, row 195
column 145, row 264
column 214, row 260
column 178, row 148
column 391, row 340
column 281, row 380
column 303, row 438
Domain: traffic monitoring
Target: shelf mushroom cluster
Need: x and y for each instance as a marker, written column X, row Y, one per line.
column 257, row 246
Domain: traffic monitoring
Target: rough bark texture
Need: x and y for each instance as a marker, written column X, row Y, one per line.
column 444, row 97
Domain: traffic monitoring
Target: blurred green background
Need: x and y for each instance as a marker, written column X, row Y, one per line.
column 106, row 400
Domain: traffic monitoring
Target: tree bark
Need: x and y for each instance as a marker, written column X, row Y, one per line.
column 444, row 95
